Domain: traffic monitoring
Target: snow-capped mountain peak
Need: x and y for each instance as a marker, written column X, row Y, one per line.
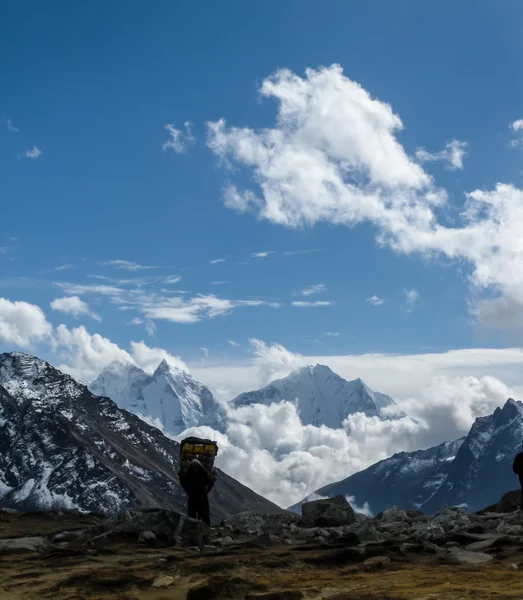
column 63, row 447
column 322, row 396
column 170, row 394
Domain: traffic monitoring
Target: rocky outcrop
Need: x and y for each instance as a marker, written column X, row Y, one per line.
column 328, row 513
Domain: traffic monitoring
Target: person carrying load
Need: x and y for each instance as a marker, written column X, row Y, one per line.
column 197, row 475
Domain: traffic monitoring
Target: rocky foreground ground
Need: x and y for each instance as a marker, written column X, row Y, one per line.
column 332, row 553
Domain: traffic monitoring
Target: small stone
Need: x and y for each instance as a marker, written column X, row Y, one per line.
column 514, row 567
column 163, row 581
column 227, row 541
column 376, row 563
column 320, row 540
column 146, row 537
column 463, row 557
column 209, row 548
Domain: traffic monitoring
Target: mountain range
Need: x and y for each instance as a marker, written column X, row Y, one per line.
column 473, row 471
column 170, row 395
column 63, row 447
column 323, row 397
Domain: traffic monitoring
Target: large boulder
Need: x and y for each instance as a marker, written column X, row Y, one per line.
column 452, row 519
column 25, row 544
column 330, row 512
column 394, row 514
column 508, row 503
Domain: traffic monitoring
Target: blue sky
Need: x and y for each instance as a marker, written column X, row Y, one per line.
column 87, row 90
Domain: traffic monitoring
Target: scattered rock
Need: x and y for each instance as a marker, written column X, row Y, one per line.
column 376, row 563
column 484, row 544
column 509, row 502
column 328, row 513
column 147, row 537
column 283, row 595
column 394, row 514
column 163, row 581
column 25, row 544
column 514, row 567
column 66, row 537
column 164, row 524
column 452, row 518
column 457, row 556
column 505, row 529
column 431, row 532
column 227, row 541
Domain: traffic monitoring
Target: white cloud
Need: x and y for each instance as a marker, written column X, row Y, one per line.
column 128, row 265
column 34, row 153
column 205, row 352
column 74, row 306
column 304, row 304
column 517, row 128
column 136, row 321
column 332, row 333
column 262, row 254
column 453, row 154
column 239, row 201
column 217, row 261
column 11, row 127
column 317, row 288
column 333, row 157
column 218, row 282
column 63, row 267
column 233, row 343
column 376, row 300
column 4, row 249
column 178, row 140
column 172, row 279
column 268, row 448
column 22, row 324
column 154, row 306
column 85, row 355
column 298, row 252
column 149, row 358
column 411, row 299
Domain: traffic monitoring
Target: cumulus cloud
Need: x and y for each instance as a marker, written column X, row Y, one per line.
column 178, row 141
column 75, row 306
column 375, row 300
column 270, row 450
column 217, row 261
column 317, row 288
column 333, row 156
column 516, row 127
column 33, row 153
column 149, row 358
column 453, row 154
column 22, row 324
column 84, row 355
column 412, row 297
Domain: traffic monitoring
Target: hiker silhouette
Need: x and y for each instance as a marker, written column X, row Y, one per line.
column 197, row 475
column 517, row 467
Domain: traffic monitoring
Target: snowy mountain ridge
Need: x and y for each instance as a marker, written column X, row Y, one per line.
column 473, row 471
column 323, row 397
column 171, row 395
column 63, row 447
